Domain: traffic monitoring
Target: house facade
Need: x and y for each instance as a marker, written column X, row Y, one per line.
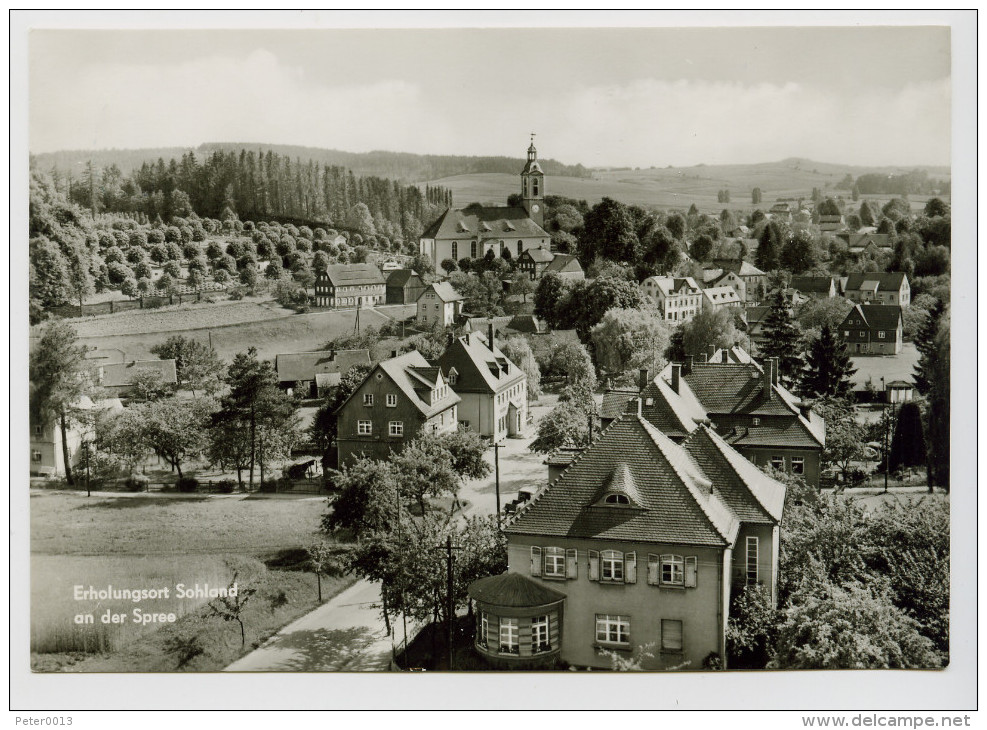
column 754, row 279
column 645, row 539
column 439, row 304
column 403, row 286
column 721, row 277
column 350, row 285
column 533, row 262
column 494, row 391
column 474, row 231
column 399, row 400
column 718, row 297
column 873, row 329
column 311, row 374
column 567, row 266
column 679, row 299
column 879, row 288
column 816, row 287
column 47, row 452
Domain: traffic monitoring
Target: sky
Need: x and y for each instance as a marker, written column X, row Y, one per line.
column 596, row 96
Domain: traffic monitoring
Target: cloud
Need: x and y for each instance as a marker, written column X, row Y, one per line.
column 643, row 122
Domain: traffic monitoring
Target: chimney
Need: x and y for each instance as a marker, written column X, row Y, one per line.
column 774, row 370
column 704, row 357
column 676, row 375
column 726, row 359
column 450, row 338
column 689, row 361
column 490, row 334
column 394, row 354
column 642, row 380
column 640, row 404
column 767, row 377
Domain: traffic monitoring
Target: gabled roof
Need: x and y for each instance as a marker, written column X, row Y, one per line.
column 741, row 268
column 444, row 290
column 615, row 402
column 479, row 368
column 411, row 372
column 401, row 277
column 734, row 354
column 862, row 239
column 669, row 285
column 814, row 284
column 119, row 374
column 513, row 590
column 677, row 503
column 620, row 482
column 527, row 324
column 755, row 315
column 721, row 294
column 877, row 316
column 354, row 274
column 294, row 366
column 889, row 281
column 564, row 263
column 538, row 255
column 502, row 222
column 733, row 388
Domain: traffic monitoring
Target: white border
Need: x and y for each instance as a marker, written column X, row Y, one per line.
column 952, row 689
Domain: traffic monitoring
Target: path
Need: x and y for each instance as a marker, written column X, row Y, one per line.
column 345, row 635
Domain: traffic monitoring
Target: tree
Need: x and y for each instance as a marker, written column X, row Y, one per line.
column 521, row 285
column 813, row 314
column 448, row 265
column 908, row 442
column 571, row 360
column 323, row 559
column 629, row 339
column 925, row 343
column 604, row 294
column 549, row 297
column 608, row 232
column 799, row 253
column 769, row 247
column 936, row 368
column 80, row 280
column 661, row 252
column 197, row 364
column 756, row 196
column 701, row 248
column 828, row 368
column 711, row 328
column 844, row 436
column 782, row 337
column 49, row 274
column 360, row 220
column 936, row 207
column 59, row 376
column 868, row 216
column 465, row 450
column 368, row 500
column 147, row 384
column 750, row 628
column 518, row 351
column 423, row 469
column 231, row 606
column 176, row 428
column 565, row 425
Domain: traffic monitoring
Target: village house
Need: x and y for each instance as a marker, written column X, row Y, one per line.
column 311, row 374
column 866, row 241
column 403, row 286
column 638, row 543
column 717, row 297
column 816, row 287
column 754, row 279
column 879, row 288
column 747, row 407
column 721, row 277
column 473, row 232
column 781, row 211
column 494, row 391
column 567, row 266
column 400, row 399
column 755, row 318
column 439, row 303
column 534, row 260
column 350, row 285
column 873, row 329
column 830, row 223
column 116, row 378
column 47, row 451
column 679, row 299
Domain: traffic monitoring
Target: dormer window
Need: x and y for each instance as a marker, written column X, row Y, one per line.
column 617, row 499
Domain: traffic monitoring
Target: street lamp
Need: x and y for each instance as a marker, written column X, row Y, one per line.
column 894, row 395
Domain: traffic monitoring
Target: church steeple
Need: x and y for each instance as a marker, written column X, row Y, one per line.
column 533, row 186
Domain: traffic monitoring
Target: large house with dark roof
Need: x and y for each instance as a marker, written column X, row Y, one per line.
column 399, row 399
column 746, row 406
column 873, row 329
column 816, row 287
column 472, row 232
column 310, row 374
column 879, row 288
column 494, row 390
column 639, row 542
column 350, row 285
column 404, row 286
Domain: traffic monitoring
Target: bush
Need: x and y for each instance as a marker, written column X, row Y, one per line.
column 187, row 484
column 137, row 483
column 226, row 486
column 235, row 292
column 269, row 487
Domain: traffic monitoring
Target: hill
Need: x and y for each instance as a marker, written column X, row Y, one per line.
column 680, row 187
column 396, row 165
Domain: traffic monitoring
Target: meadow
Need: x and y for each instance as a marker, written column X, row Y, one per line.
column 151, row 542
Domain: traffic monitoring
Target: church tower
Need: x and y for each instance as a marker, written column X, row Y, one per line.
column 533, row 186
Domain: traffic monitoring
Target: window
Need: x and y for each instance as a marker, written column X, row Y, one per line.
column 37, row 430
column 617, row 499
column 846, row 333
column 364, row 428
column 671, row 635
column 36, row 456
column 880, row 335
column 554, row 562
column 534, row 184
column 613, row 629
column 778, row 462
column 672, row 570
column 392, row 400
column 481, row 637
column 798, row 465
column 539, row 635
column 612, row 566
column 508, row 636
column 395, row 428
column 368, row 399
column 751, row 561
column 755, row 421
column 455, row 251
column 473, row 249
column 863, row 334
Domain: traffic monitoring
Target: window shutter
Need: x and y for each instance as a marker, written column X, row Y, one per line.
column 594, row 565
column 691, row 569
column 535, row 560
column 571, row 569
column 630, row 567
column 652, row 570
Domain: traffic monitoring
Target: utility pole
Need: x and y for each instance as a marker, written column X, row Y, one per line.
column 356, row 322
column 450, row 601
column 497, row 479
column 89, row 492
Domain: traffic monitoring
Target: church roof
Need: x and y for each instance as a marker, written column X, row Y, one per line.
column 495, row 221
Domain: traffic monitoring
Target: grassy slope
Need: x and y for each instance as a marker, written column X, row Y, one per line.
column 670, row 187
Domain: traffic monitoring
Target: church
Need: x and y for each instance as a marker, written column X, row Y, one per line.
column 508, row 231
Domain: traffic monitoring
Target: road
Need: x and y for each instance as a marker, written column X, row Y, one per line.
column 344, row 635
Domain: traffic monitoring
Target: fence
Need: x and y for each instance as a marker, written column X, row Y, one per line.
column 67, row 311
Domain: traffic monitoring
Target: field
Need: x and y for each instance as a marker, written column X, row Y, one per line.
column 145, row 541
column 233, row 327
column 676, row 187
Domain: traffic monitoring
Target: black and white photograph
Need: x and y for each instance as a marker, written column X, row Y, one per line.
column 496, row 349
